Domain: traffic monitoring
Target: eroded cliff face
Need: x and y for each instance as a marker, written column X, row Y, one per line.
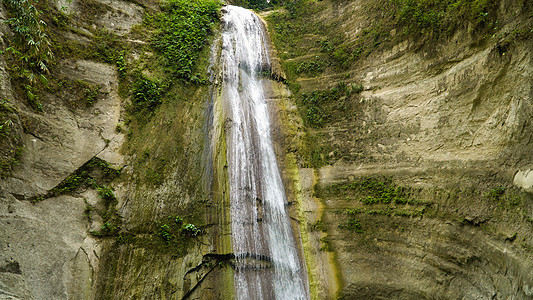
column 47, row 205
column 419, row 185
column 46, row 252
column 104, row 196
column 415, row 186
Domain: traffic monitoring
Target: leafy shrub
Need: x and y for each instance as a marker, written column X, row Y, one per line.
column 106, row 193
column 191, row 229
column 312, row 68
column 442, row 17
column 31, row 48
column 375, row 190
column 107, row 229
column 182, row 31
column 146, row 93
column 164, row 232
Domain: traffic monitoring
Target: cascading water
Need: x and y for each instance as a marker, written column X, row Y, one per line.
column 266, row 259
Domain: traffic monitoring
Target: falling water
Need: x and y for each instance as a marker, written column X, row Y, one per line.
column 266, row 260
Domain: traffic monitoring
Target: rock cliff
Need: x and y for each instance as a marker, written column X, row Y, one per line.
column 418, row 187
column 404, row 149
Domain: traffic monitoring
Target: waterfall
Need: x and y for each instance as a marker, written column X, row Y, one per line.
column 267, row 265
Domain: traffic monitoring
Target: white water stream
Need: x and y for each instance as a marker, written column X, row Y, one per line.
column 266, row 258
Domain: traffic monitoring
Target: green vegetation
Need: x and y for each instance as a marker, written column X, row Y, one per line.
column 182, row 31
column 505, row 197
column 106, row 193
column 310, row 46
column 11, row 158
column 147, row 94
column 325, row 244
column 30, row 50
column 318, row 226
column 315, row 45
column 178, row 36
column 12, row 147
column 174, row 230
column 106, row 230
column 377, row 197
column 352, row 225
column 165, row 233
column 297, row 32
column 191, row 229
column 78, row 93
column 257, row 4
column 94, row 174
column 320, row 108
column 325, row 106
column 315, row 151
column 441, row 17
column 373, row 190
column 496, row 193
column 390, row 211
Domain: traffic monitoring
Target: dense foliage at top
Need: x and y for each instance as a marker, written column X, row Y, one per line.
column 182, row 31
column 439, row 16
column 297, row 31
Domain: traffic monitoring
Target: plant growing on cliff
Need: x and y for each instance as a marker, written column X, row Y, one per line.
column 146, row 93
column 182, row 30
column 165, row 234
column 106, row 193
column 320, row 106
column 107, row 229
column 191, row 229
column 31, row 49
column 352, row 225
column 440, row 16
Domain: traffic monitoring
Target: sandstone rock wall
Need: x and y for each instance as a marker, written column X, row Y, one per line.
column 447, row 125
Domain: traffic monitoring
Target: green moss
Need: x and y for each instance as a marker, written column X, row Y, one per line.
column 352, row 225
column 107, row 229
column 315, row 151
column 167, row 235
column 390, row 211
column 379, row 197
column 9, row 159
column 441, row 17
column 12, row 146
column 321, row 107
column 372, row 189
column 296, row 32
column 311, row 44
column 94, row 173
column 318, row 226
column 91, row 9
column 496, row 193
column 77, row 93
column 505, row 197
